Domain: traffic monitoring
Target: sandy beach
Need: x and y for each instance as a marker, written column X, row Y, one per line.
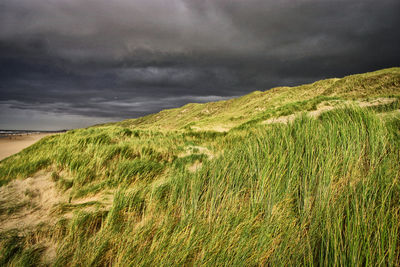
column 12, row 144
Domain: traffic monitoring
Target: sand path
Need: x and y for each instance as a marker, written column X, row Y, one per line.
column 13, row 144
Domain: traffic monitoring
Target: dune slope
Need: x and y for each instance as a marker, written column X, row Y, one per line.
column 307, row 175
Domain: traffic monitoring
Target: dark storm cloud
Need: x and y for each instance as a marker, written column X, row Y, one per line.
column 121, row 59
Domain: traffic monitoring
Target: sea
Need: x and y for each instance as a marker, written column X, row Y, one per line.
column 5, row 133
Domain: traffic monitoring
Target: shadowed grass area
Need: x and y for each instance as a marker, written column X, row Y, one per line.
column 13, row 251
column 314, row 191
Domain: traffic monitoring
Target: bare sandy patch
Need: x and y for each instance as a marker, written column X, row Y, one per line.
column 282, row 119
column 199, row 150
column 219, row 128
column 29, row 202
column 26, row 205
column 195, row 166
column 214, row 128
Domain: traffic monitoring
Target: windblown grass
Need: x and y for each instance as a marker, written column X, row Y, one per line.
column 315, row 191
column 101, row 157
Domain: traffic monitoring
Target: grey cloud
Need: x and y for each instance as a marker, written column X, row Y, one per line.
column 121, row 59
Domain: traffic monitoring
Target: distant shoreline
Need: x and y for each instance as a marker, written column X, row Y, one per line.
column 16, row 133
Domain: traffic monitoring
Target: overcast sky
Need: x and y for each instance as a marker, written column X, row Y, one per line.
column 74, row 63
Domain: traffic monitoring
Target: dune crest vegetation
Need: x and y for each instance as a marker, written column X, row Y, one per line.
column 319, row 188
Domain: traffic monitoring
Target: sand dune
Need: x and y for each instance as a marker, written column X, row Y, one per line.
column 14, row 144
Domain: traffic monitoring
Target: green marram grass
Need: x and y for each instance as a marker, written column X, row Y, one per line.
column 314, row 191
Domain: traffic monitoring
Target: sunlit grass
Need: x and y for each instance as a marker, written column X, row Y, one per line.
column 315, row 191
